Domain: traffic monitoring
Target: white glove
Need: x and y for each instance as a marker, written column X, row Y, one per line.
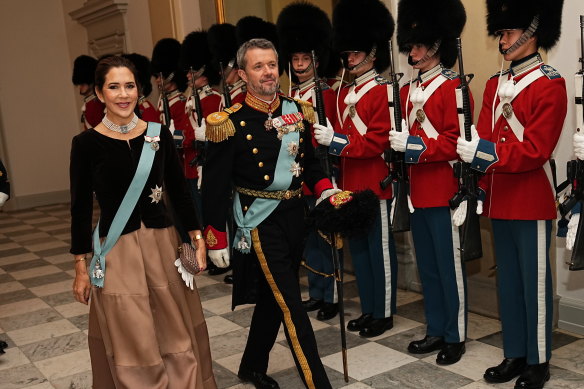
column 326, row 194
column 187, row 277
column 219, row 257
column 3, row 198
column 578, row 142
column 467, row 150
column 200, row 131
column 324, row 135
column 200, row 179
column 171, row 127
column 398, row 140
column 459, row 215
column 572, row 229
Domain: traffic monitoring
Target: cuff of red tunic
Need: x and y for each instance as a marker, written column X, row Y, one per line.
column 215, row 239
column 321, row 186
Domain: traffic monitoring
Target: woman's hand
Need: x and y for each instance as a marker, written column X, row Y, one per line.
column 82, row 284
column 201, row 253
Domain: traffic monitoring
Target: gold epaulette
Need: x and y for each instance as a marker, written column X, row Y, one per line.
column 220, row 126
column 307, row 110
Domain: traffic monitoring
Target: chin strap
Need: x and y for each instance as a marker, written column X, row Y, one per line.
column 524, row 37
column 429, row 54
column 367, row 59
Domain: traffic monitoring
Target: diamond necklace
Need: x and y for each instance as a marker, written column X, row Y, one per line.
column 124, row 129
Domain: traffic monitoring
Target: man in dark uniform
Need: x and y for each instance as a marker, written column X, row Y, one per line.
column 263, row 147
column 426, row 33
column 4, row 185
column 519, row 126
column 302, row 28
column 83, row 77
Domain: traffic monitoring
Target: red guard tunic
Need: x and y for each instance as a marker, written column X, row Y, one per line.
column 363, row 134
column 210, row 102
column 177, row 102
column 432, row 181
column 92, row 111
column 147, row 111
column 518, row 186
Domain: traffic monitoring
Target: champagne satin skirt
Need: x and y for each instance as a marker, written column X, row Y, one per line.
column 146, row 328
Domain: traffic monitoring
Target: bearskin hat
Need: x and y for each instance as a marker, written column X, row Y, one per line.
column 84, row 70
column 250, row 27
column 427, row 21
column 142, row 65
column 350, row 214
column 358, row 25
column 222, row 43
column 165, row 60
column 518, row 14
column 303, row 27
column 195, row 53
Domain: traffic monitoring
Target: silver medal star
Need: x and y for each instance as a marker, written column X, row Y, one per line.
column 156, row 195
column 296, row 169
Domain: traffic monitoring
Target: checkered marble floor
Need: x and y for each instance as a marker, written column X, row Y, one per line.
column 46, row 329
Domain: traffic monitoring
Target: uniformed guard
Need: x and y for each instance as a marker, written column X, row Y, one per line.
column 520, row 123
column 264, row 149
column 165, row 57
column 426, row 33
column 83, row 77
column 4, row 187
column 223, row 46
column 303, row 28
column 145, row 109
column 361, row 31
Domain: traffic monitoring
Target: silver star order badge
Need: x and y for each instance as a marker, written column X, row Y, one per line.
column 292, row 148
column 296, row 169
column 156, row 195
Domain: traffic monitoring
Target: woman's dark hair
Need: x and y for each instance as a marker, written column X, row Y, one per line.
column 115, row 61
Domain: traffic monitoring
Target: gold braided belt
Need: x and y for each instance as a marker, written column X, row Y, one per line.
column 275, row 194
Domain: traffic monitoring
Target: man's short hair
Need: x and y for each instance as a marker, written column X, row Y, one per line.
column 256, row 43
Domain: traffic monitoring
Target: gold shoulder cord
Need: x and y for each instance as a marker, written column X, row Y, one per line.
column 219, row 127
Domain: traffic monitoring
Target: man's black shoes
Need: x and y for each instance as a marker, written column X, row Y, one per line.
column 228, row 279
column 215, row 271
column 376, row 327
column 312, row 304
column 260, row 380
column 328, row 311
column 426, row 345
column 450, row 353
column 533, row 376
column 359, row 323
column 506, row 371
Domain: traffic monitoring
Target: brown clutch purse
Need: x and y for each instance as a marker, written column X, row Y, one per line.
column 188, row 259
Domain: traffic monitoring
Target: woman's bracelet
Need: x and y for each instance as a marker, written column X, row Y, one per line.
column 80, row 259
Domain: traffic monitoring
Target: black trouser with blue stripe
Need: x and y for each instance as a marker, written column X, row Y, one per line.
column 525, row 287
column 441, row 272
column 277, row 244
column 375, row 262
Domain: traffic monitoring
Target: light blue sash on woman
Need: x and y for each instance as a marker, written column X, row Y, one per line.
column 260, row 208
column 97, row 266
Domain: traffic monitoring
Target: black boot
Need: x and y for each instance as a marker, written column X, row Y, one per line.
column 228, row 279
column 260, row 380
column 312, row 304
column 215, row 271
column 377, row 327
column 533, row 376
column 359, row 323
column 328, row 311
column 506, row 371
column 426, row 345
column 450, row 353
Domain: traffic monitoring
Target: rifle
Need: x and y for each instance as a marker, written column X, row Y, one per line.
column 322, row 154
column 226, row 93
column 575, row 168
column 199, row 146
column 470, row 231
column 397, row 170
column 165, row 106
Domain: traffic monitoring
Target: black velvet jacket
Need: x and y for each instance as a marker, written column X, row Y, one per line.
column 106, row 166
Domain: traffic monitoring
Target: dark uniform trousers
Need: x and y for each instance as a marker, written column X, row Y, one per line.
column 277, row 246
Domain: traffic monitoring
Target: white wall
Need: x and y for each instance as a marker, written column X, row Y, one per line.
column 37, row 100
column 564, row 57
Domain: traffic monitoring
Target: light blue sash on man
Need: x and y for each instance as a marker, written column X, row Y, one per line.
column 97, row 267
column 260, row 208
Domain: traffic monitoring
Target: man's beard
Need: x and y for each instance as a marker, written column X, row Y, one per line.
column 262, row 90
